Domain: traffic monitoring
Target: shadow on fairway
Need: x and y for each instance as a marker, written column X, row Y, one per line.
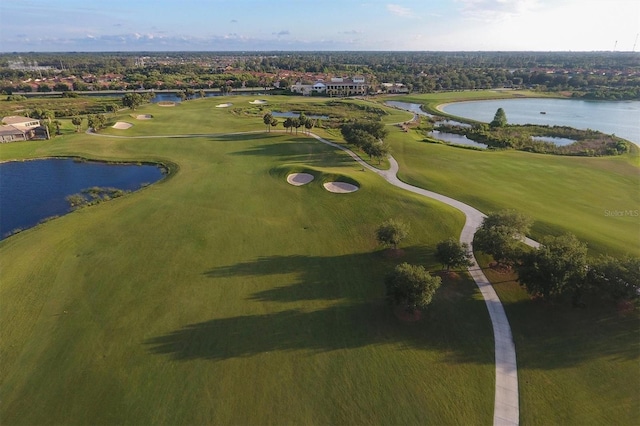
column 355, row 316
column 559, row 336
column 347, row 326
column 303, row 150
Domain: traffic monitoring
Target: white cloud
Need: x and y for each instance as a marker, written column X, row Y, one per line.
column 496, row 10
column 400, row 11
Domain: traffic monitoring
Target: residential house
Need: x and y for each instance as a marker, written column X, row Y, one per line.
column 17, row 128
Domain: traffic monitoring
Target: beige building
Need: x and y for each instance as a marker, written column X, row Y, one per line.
column 338, row 86
column 17, row 128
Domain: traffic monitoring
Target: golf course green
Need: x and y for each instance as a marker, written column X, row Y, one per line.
column 225, row 295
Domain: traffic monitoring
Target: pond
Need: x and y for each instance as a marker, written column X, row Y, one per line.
column 619, row 118
column 417, row 109
column 32, row 191
column 291, row 114
column 455, row 139
column 554, row 140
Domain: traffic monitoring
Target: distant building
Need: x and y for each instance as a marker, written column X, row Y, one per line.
column 338, row 86
column 15, row 128
column 394, row 88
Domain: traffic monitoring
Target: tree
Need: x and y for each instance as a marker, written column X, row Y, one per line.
column 500, row 119
column 392, row 232
column 556, row 269
column 287, row 123
column 274, row 122
column 500, row 235
column 411, row 287
column 614, row 279
column 309, row 123
column 453, row 254
column 77, row 121
column 57, row 123
column 295, row 122
column 377, row 150
column 92, row 121
column 266, row 119
column 132, row 100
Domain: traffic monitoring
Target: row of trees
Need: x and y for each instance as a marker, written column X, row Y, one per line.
column 290, row 122
column 412, row 287
column 559, row 269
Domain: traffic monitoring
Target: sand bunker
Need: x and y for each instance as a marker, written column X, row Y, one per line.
column 340, row 187
column 299, row 179
column 144, row 117
column 122, row 125
column 258, row 102
column 166, row 104
column 223, row 105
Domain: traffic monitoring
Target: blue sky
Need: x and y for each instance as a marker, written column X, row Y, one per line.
column 246, row 25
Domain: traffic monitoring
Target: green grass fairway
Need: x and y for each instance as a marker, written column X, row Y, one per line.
column 562, row 194
column 575, row 366
column 224, row 295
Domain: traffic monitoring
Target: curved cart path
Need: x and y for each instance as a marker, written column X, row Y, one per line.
column 506, row 408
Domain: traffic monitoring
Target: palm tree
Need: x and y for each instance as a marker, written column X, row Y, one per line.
column 266, row 119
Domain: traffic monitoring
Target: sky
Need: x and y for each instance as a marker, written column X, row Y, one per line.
column 329, row 25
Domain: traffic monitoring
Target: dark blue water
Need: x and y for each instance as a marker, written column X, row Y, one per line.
column 31, row 191
column 621, row 118
column 291, row 114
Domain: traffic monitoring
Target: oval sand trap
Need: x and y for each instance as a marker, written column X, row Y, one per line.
column 144, row 117
column 298, row 179
column 223, row 105
column 258, row 102
column 340, row 187
column 122, row 125
column 166, row 104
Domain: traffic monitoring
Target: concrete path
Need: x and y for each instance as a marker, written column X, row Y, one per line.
column 506, row 408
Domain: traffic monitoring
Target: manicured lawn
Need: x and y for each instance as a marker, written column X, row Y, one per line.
column 575, row 366
column 562, row 194
column 224, row 295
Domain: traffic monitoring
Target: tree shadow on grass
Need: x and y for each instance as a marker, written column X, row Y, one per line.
column 558, row 336
column 456, row 323
column 346, row 326
column 300, row 150
column 355, row 315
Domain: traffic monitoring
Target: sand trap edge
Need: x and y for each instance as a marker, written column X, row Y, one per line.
column 122, row 125
column 299, row 179
column 340, row 187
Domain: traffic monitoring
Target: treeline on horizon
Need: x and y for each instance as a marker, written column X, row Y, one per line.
column 595, row 75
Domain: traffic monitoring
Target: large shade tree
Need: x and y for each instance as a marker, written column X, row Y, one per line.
column 392, row 232
column 557, row 269
column 453, row 254
column 411, row 287
column 500, row 235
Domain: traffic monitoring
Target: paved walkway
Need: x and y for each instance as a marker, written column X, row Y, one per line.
column 506, row 408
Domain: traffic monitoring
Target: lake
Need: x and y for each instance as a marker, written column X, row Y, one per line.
column 31, row 191
column 621, row 118
column 291, row 114
column 416, row 109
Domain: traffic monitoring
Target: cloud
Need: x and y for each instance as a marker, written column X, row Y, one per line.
column 496, row 10
column 350, row 32
column 400, row 11
column 282, row 33
column 234, row 21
